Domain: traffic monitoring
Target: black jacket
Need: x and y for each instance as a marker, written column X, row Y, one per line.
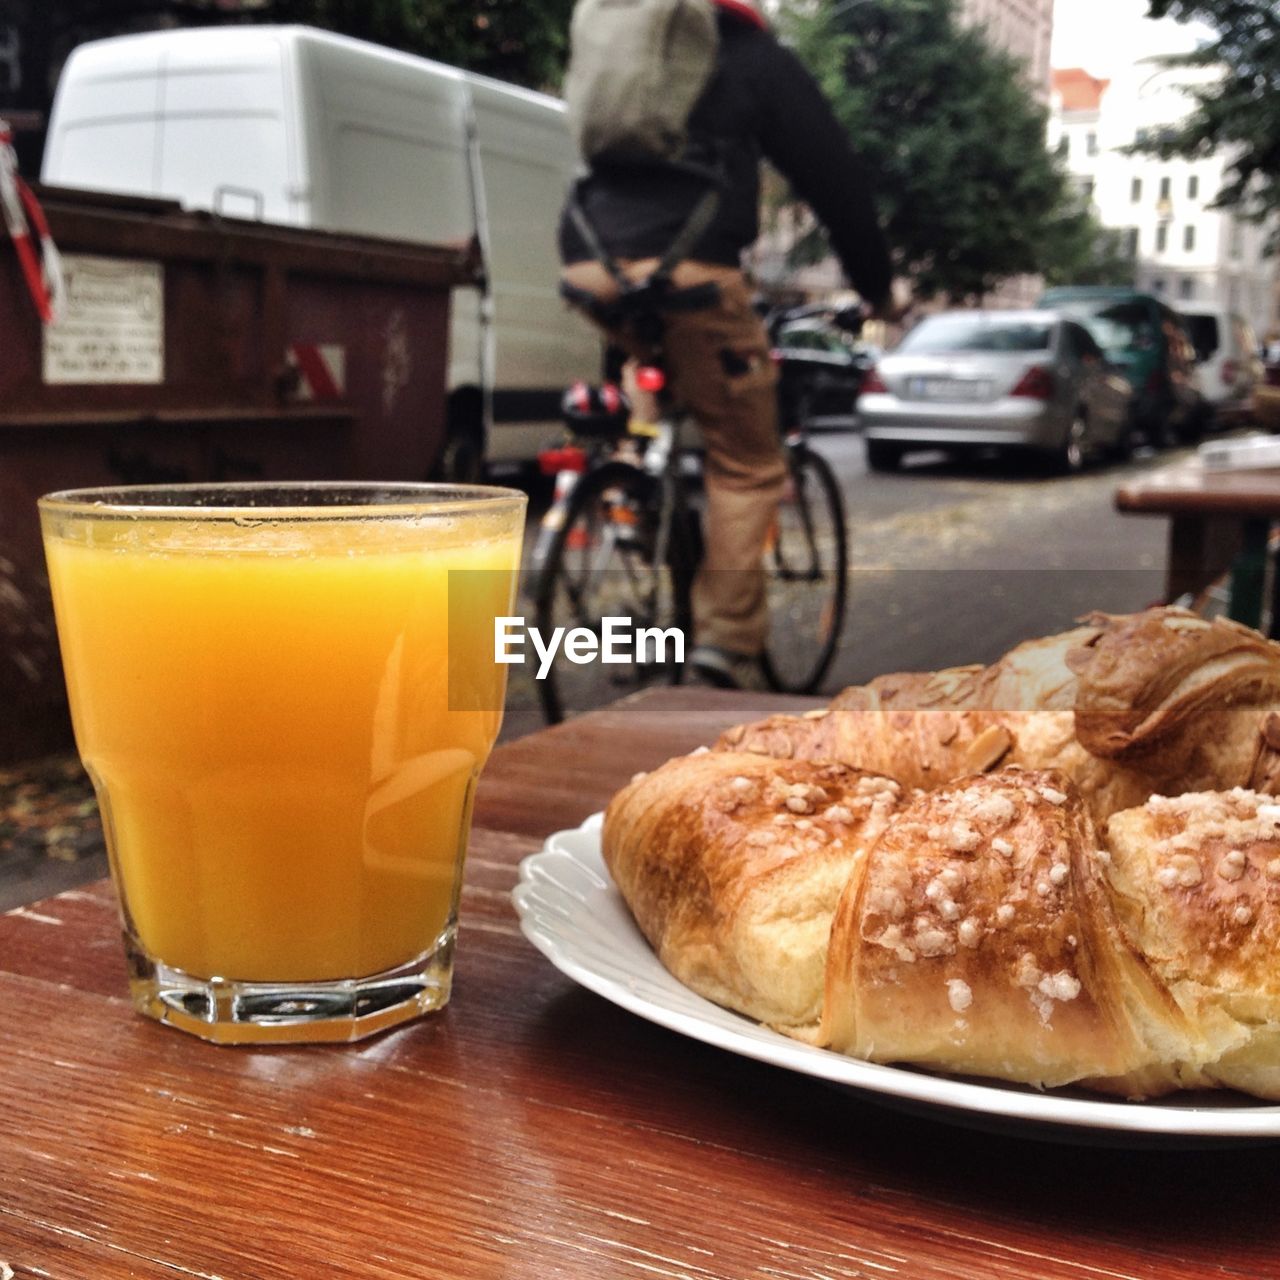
column 761, row 102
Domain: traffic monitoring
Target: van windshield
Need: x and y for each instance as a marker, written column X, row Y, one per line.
column 1116, row 326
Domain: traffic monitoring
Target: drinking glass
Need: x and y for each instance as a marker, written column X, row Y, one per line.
column 284, row 696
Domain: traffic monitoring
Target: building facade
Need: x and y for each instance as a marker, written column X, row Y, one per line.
column 1023, row 28
column 1182, row 249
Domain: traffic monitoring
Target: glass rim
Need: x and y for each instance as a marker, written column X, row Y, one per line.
column 402, row 498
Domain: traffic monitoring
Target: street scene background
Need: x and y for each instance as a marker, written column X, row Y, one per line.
column 1017, row 146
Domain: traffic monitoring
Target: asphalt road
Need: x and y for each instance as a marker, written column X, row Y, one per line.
column 956, row 562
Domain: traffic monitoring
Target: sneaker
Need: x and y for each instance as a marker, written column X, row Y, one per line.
column 725, row 670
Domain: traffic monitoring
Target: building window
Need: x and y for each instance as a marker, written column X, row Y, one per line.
column 1131, row 242
column 1186, row 287
column 1091, row 144
column 1193, row 187
column 1086, row 188
column 1166, row 188
column 1157, row 286
column 1135, row 190
column 1189, row 237
column 1162, row 237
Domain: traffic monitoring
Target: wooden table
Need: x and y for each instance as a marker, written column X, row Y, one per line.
column 533, row 1130
column 1220, row 522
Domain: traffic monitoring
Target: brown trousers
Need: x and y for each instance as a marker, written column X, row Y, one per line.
column 720, row 371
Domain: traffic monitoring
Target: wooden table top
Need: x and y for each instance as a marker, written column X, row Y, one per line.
column 533, row 1130
column 1186, row 488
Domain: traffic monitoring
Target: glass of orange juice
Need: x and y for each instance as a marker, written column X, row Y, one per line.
column 284, row 695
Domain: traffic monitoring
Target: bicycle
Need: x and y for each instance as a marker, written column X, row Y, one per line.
column 622, row 538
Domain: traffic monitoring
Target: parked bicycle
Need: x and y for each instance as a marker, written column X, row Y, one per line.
column 623, row 536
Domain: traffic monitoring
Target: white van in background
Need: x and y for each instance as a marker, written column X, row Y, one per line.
column 1230, row 364
column 297, row 126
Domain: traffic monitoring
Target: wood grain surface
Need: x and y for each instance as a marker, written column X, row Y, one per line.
column 1188, row 489
column 533, row 1129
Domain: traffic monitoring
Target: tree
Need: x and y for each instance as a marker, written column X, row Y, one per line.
column 952, row 135
column 1080, row 250
column 1238, row 113
column 522, row 41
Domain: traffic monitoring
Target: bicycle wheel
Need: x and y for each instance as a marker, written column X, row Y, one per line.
column 601, row 564
column 806, row 575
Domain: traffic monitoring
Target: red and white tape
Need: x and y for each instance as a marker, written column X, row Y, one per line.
column 321, row 370
column 22, row 213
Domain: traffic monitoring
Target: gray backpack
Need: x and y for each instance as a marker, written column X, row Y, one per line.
column 636, row 69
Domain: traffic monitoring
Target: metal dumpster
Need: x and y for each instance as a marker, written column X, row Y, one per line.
column 200, row 348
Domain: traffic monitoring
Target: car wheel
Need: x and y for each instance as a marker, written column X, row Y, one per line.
column 883, row 456
column 1074, row 453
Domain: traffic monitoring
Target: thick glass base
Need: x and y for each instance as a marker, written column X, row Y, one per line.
column 230, row 1012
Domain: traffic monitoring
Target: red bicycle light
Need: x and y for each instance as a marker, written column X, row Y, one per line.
column 650, row 378
column 874, row 383
column 1035, row 384
column 567, row 458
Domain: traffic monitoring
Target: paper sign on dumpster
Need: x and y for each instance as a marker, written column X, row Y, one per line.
column 113, row 328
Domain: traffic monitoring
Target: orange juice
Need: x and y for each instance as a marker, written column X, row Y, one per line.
column 264, row 708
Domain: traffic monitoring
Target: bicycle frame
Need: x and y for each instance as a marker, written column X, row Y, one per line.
column 661, row 458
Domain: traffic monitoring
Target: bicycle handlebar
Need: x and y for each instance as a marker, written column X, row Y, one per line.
column 850, row 318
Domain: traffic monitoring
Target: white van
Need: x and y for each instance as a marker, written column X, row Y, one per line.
column 296, row 126
column 1230, row 363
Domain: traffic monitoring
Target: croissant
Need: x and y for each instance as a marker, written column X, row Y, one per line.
column 925, row 749
column 1131, row 679
column 1128, row 706
column 1032, row 676
column 980, row 938
column 732, row 866
column 1196, row 884
column 1061, row 868
column 986, row 927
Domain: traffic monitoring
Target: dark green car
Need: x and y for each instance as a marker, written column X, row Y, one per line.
column 1147, row 343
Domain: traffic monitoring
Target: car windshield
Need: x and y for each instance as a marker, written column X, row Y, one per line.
column 937, row 334
column 1116, row 326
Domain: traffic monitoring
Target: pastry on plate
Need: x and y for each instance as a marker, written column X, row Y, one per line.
column 732, row 866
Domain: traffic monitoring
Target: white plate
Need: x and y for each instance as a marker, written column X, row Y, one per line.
column 572, row 912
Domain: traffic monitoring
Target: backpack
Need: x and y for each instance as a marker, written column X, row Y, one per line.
column 636, row 69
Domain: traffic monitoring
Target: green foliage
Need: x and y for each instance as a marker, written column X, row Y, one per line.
column 523, row 41
column 953, row 137
column 1237, row 113
column 1080, row 250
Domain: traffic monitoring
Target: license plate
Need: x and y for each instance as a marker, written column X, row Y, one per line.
column 949, row 389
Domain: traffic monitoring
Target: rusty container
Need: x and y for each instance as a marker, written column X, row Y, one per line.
column 197, row 348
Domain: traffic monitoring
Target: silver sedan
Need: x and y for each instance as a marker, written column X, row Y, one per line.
column 967, row 380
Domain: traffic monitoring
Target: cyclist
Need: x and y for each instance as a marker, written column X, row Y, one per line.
column 759, row 102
